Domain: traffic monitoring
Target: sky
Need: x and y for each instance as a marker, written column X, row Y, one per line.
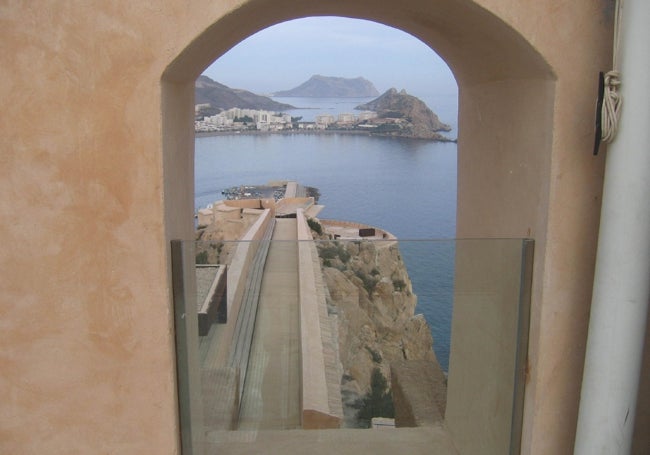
column 285, row 55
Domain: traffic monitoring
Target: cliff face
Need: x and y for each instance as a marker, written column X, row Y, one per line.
column 332, row 87
column 371, row 294
column 415, row 118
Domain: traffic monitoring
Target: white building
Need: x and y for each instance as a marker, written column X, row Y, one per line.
column 347, row 118
column 323, row 120
column 367, row 115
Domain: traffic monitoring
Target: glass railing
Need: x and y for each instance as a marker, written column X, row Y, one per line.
column 344, row 334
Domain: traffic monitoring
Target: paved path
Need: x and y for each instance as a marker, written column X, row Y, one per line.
column 271, row 398
column 408, row 441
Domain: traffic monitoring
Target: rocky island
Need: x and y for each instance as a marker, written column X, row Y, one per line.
column 332, row 87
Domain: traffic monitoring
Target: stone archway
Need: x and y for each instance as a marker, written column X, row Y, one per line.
column 506, row 99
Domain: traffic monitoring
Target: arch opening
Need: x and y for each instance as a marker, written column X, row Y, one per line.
column 505, row 103
column 372, row 180
column 399, row 196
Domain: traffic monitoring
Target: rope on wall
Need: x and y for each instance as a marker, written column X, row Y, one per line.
column 612, row 101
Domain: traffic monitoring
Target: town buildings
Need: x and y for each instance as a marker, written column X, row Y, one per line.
column 237, row 119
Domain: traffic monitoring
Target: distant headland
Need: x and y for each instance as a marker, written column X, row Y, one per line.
column 222, row 110
column 332, row 87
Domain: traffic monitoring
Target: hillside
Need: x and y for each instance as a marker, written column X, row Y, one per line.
column 221, row 97
column 412, row 116
column 332, row 87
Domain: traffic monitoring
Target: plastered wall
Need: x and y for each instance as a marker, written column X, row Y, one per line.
column 97, row 133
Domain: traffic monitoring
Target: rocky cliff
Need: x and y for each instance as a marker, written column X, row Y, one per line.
column 332, row 87
column 371, row 295
column 412, row 116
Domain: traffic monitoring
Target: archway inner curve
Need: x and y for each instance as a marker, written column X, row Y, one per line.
column 506, row 95
column 477, row 45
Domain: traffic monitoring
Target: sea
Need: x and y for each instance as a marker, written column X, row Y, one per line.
column 405, row 186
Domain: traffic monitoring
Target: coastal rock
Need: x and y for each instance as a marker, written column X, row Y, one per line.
column 412, row 115
column 371, row 294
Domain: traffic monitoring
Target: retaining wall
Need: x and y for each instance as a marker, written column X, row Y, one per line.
column 320, row 395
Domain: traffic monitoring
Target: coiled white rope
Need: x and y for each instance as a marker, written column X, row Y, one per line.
column 612, row 100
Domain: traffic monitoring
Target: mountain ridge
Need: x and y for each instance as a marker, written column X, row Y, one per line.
column 221, row 97
column 331, row 87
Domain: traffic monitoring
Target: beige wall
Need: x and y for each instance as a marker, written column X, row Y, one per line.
column 317, row 410
column 97, row 132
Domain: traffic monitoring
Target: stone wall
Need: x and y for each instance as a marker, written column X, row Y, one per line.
column 321, row 372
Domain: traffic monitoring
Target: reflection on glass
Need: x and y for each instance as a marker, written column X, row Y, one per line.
column 331, row 334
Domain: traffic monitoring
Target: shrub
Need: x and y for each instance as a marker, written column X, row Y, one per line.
column 315, row 226
column 378, row 402
column 376, row 357
column 333, row 251
column 369, row 283
column 202, row 257
column 399, row 285
column 344, row 255
column 328, row 252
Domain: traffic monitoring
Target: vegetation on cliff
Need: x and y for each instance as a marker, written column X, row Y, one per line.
column 378, row 402
column 371, row 297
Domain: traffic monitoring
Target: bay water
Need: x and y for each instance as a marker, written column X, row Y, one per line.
column 405, row 186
